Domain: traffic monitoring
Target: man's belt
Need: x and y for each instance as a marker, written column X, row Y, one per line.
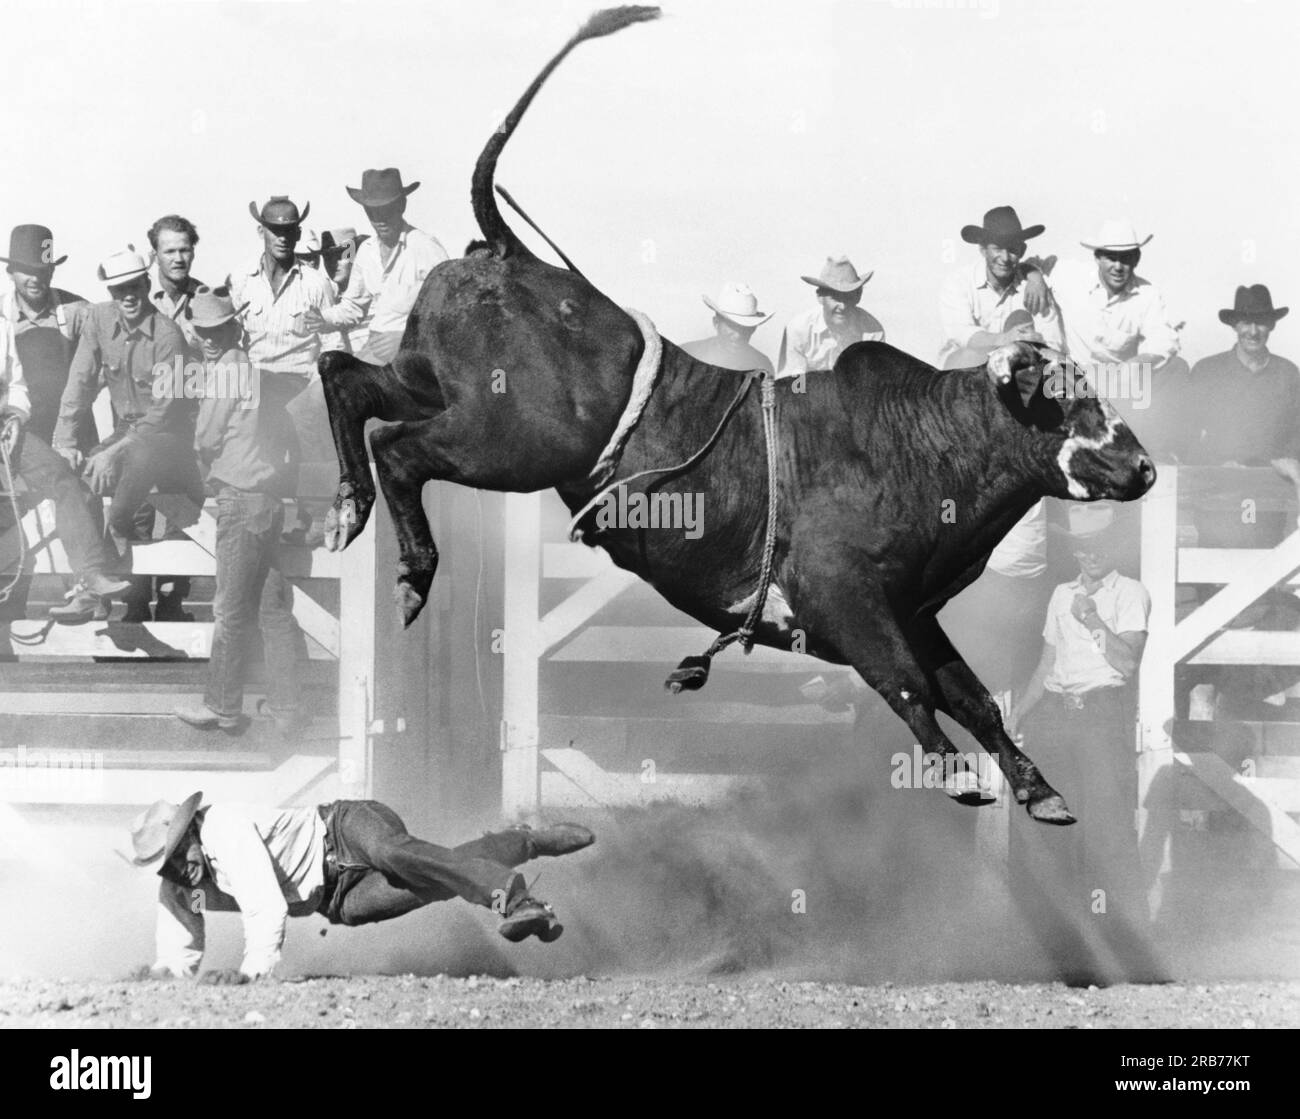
column 1080, row 701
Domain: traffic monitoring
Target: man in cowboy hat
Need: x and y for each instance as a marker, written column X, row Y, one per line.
column 245, row 440
column 338, row 250
column 279, row 296
column 977, row 301
column 282, row 300
column 46, row 322
column 123, row 341
column 812, row 341
column 1243, row 406
column 174, row 240
column 1078, row 720
column 1110, row 313
column 387, row 271
column 351, row 861
column 735, row 318
column 29, row 459
column 307, row 250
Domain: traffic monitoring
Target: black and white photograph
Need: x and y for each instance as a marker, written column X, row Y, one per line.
column 768, row 515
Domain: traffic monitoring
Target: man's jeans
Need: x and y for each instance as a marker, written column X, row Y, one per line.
column 248, row 584
column 48, row 476
column 160, row 460
column 384, row 872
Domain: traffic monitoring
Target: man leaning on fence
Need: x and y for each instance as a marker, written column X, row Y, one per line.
column 126, row 341
column 245, row 441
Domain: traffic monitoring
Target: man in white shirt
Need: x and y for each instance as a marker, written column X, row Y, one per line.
column 977, row 301
column 1080, row 727
column 351, row 861
column 814, row 340
column 387, row 271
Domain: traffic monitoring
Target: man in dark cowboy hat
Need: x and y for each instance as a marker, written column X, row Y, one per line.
column 282, row 299
column 813, row 340
column 977, row 301
column 245, row 441
column 387, row 272
column 351, row 861
column 25, row 457
column 1243, row 406
column 735, row 318
column 46, row 322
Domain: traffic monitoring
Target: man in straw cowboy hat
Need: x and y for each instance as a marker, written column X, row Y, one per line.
column 351, row 861
column 1078, row 719
column 735, row 318
column 813, row 340
column 123, row 341
column 245, row 440
column 978, row 304
column 387, row 271
column 1110, row 313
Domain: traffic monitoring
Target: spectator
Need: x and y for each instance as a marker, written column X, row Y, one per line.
column 174, row 240
column 30, row 459
column 976, row 302
column 1242, row 407
column 735, row 318
column 247, row 452
column 123, row 341
column 812, row 341
column 387, row 271
column 1078, row 715
column 46, row 323
column 338, row 250
column 307, row 251
column 282, row 301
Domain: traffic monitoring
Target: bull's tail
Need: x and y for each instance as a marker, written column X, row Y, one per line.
column 490, row 221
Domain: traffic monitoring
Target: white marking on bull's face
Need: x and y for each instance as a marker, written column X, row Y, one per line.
column 776, row 610
column 1082, row 443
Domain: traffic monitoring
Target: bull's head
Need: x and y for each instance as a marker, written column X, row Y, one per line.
column 1099, row 457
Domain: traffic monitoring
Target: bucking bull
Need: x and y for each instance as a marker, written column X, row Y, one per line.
column 854, row 503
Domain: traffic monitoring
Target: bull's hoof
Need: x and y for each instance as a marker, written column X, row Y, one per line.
column 343, row 523
column 1050, row 810
column 411, row 592
column 965, row 788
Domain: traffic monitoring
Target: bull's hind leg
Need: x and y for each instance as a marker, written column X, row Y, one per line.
column 356, row 391
column 961, row 696
column 404, row 462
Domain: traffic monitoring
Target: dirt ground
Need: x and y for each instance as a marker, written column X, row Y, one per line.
column 480, row 1002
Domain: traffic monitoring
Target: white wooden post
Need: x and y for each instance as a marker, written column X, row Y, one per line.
column 520, row 783
column 357, row 662
column 1156, row 675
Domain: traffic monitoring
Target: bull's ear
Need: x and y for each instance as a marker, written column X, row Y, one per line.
column 1019, row 364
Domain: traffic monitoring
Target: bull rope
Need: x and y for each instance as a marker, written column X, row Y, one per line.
column 693, row 672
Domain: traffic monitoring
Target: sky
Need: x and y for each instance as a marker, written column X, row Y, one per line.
column 726, row 142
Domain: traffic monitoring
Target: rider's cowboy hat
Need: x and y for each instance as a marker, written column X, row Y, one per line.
column 159, row 829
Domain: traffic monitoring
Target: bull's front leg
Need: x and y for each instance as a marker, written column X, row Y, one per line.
column 962, row 696
column 352, row 393
column 867, row 636
column 404, row 461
